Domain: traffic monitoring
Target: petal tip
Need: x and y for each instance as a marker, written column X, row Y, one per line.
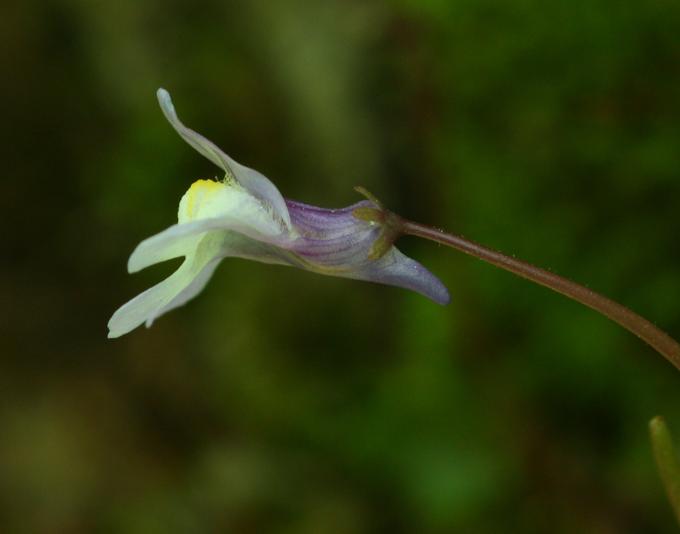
column 443, row 297
column 167, row 107
column 134, row 264
column 401, row 271
column 114, row 327
column 111, row 335
column 433, row 288
column 163, row 97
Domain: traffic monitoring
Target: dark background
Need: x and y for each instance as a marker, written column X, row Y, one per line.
column 286, row 402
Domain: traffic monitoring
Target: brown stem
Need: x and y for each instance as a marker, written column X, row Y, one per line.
column 630, row 320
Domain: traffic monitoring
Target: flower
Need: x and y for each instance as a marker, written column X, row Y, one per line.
column 245, row 216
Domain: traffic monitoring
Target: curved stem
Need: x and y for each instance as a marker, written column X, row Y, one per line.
column 631, row 321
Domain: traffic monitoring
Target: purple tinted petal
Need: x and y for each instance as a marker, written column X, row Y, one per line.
column 334, row 242
column 396, row 269
column 315, row 222
column 331, row 237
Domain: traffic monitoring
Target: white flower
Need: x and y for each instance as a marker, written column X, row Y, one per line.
column 245, row 216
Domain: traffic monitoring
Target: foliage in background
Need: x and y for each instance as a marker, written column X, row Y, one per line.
column 666, row 461
column 283, row 402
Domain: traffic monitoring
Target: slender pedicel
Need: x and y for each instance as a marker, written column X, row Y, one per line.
column 631, row 321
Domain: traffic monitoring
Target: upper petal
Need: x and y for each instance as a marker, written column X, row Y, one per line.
column 256, row 183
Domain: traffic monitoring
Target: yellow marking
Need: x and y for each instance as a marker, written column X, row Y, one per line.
column 198, row 190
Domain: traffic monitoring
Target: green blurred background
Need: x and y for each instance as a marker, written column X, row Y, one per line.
column 285, row 402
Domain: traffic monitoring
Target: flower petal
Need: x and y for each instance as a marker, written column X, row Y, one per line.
column 396, row 269
column 178, row 240
column 145, row 306
column 232, row 245
column 203, row 254
column 336, row 243
column 331, row 237
column 256, row 183
column 180, row 286
column 181, row 239
column 186, row 294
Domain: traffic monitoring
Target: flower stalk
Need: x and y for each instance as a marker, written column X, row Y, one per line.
column 395, row 226
column 628, row 319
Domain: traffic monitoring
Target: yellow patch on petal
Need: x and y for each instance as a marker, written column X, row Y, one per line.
column 200, row 192
column 209, row 199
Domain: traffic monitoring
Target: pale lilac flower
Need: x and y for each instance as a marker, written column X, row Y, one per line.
column 245, row 216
